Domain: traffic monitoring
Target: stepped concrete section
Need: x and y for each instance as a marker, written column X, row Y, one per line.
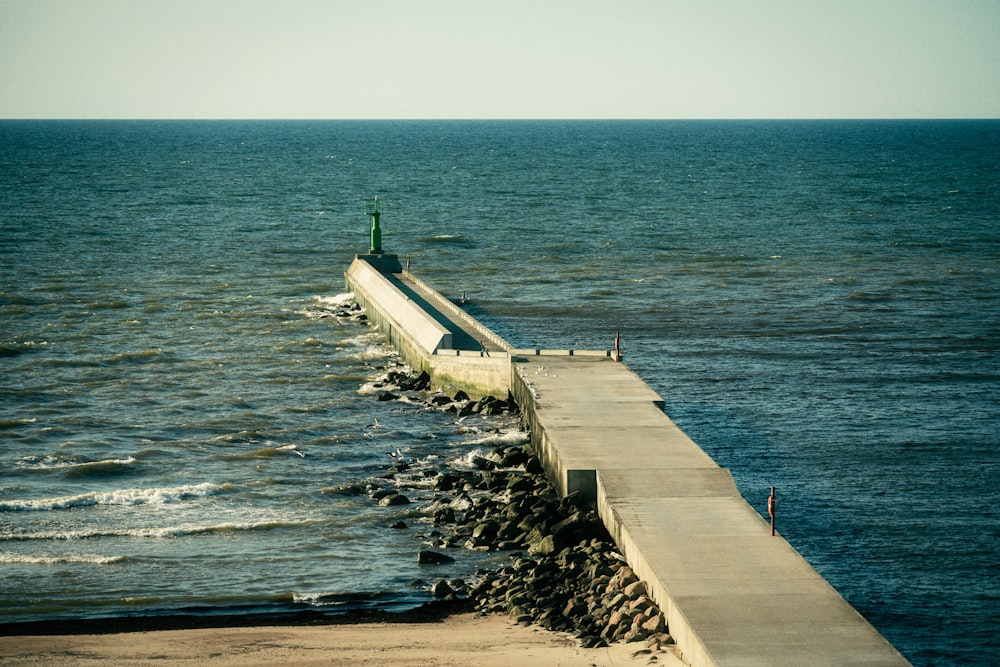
column 732, row 593
column 429, row 331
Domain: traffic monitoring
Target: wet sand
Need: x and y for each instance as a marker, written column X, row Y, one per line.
column 460, row 639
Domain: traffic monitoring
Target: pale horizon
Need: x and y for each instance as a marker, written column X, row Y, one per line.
column 519, row 60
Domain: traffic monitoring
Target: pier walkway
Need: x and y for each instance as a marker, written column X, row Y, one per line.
column 732, row 593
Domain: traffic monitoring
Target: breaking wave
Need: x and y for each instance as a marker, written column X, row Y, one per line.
column 156, row 532
column 155, row 496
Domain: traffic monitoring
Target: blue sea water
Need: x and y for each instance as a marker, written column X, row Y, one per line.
column 817, row 302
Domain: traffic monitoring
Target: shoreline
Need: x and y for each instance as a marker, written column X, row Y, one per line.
column 455, row 638
column 434, row 611
column 569, row 615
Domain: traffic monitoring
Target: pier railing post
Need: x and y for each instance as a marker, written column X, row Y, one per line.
column 771, row 502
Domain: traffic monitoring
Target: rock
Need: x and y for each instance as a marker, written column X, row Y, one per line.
column 428, row 557
column 483, row 463
column 543, row 547
column 445, row 515
column 635, row 590
column 655, row 625
column 394, row 499
column 420, row 382
column 520, row 485
column 487, row 530
column 446, row 481
column 459, row 586
column 534, row 467
column 572, row 502
column 385, row 396
column 398, row 525
column 442, row 590
column 592, row 641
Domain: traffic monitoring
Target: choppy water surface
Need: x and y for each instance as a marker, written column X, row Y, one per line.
column 179, row 411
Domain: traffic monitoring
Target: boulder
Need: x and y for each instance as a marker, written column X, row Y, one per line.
column 428, row 557
column 442, row 590
column 655, row 624
column 483, row 463
column 635, row 590
column 394, row 499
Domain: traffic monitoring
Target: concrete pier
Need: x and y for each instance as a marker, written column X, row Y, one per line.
column 732, row 593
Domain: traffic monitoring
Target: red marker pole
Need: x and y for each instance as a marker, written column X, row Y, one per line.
column 770, row 508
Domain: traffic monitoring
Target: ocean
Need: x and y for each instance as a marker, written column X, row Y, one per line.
column 183, row 415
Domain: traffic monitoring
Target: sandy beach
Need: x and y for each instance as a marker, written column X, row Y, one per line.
column 459, row 640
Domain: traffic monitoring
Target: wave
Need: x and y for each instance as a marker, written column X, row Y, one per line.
column 157, row 532
column 262, row 453
column 448, row 239
column 73, row 468
column 339, row 306
column 154, row 496
column 23, row 559
column 14, row 348
column 351, row 600
column 139, row 357
column 338, row 300
column 513, row 437
column 14, row 423
column 372, row 352
column 468, row 461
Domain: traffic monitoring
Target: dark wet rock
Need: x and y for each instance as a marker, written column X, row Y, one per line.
column 486, row 530
column 386, row 396
column 442, row 590
column 534, row 467
column 483, row 463
column 419, row 382
column 428, row 557
column 444, row 515
column 398, row 525
column 446, row 482
column 394, row 499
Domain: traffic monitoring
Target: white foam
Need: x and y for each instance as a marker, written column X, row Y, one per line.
column 27, row 559
column 467, row 462
column 336, row 300
column 54, row 463
column 317, row 599
column 154, row 496
column 512, row 437
column 155, row 532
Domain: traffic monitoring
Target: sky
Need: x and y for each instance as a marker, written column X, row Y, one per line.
column 415, row 59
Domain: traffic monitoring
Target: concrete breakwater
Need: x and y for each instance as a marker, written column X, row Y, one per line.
column 732, row 593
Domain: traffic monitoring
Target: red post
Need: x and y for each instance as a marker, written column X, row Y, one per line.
column 770, row 508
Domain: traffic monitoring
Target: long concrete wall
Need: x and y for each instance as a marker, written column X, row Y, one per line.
column 732, row 593
column 409, row 328
column 399, row 305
